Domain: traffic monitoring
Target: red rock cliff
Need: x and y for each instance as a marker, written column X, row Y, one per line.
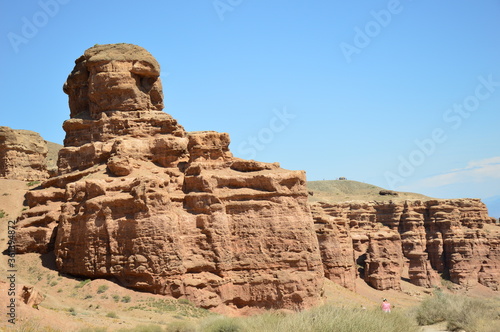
column 162, row 210
column 383, row 241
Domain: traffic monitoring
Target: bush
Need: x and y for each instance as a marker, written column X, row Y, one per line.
column 82, row 283
column 102, row 289
column 112, row 315
column 433, row 310
column 459, row 312
column 116, row 297
column 126, row 299
column 2, row 213
column 222, row 324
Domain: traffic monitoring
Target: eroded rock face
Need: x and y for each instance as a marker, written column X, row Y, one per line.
column 423, row 238
column 139, row 199
column 22, row 155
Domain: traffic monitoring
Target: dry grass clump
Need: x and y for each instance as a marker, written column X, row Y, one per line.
column 460, row 312
column 33, row 325
column 324, row 318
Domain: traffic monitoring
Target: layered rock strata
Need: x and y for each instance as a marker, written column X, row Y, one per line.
column 139, row 199
column 22, row 155
column 419, row 238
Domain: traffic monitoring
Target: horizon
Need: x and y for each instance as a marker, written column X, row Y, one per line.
column 404, row 95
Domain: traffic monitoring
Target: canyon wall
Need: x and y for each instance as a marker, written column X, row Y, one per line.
column 384, row 242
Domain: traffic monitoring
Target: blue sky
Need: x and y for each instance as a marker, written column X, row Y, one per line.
column 401, row 94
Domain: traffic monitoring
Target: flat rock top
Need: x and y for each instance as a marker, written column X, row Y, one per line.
column 120, row 52
column 334, row 191
column 21, row 139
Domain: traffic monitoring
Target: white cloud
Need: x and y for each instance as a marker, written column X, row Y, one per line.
column 476, row 171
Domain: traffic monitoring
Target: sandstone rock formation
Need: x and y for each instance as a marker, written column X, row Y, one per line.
column 22, row 155
column 139, row 199
column 424, row 238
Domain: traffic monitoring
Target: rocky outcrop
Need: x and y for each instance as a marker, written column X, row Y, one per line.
column 336, row 245
column 30, row 296
column 419, row 238
column 139, row 199
column 22, row 155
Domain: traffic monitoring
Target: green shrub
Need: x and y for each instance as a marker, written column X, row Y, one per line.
column 32, row 183
column 460, row 312
column 82, row 283
column 222, row 324
column 2, row 213
column 72, row 311
column 126, row 299
column 102, row 289
column 112, row 315
column 116, row 297
column 433, row 310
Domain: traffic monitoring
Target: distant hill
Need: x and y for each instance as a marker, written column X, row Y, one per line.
column 52, row 154
column 331, row 191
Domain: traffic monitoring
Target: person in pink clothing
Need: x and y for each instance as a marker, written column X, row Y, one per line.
column 386, row 306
